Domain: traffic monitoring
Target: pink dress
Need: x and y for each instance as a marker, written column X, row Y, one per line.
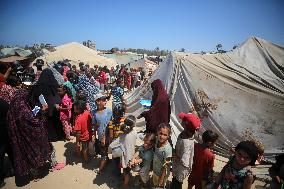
column 65, row 115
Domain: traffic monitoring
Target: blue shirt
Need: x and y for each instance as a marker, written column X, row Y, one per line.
column 102, row 119
column 146, row 156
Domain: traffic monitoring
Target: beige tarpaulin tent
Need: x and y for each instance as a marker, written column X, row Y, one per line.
column 238, row 94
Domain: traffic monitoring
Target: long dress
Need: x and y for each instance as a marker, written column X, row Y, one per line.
column 160, row 109
column 28, row 135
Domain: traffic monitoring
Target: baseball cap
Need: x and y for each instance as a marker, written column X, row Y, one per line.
column 191, row 120
column 100, row 96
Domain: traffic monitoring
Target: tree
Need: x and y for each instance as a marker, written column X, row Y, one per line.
column 219, row 47
column 235, row 46
column 182, row 50
column 114, row 49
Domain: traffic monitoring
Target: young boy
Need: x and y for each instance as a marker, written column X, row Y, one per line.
column 115, row 124
column 82, row 128
column 184, row 149
column 115, row 131
column 203, row 161
column 144, row 158
column 101, row 121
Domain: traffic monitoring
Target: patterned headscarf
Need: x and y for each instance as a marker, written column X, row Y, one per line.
column 85, row 86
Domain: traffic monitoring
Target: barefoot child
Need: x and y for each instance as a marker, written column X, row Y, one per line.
column 184, row 149
column 144, row 158
column 83, row 128
column 203, row 161
column 162, row 156
column 237, row 172
column 65, row 109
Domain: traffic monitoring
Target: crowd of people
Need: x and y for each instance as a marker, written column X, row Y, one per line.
column 78, row 108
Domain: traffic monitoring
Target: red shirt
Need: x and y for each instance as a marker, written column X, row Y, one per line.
column 83, row 125
column 203, row 163
column 102, row 77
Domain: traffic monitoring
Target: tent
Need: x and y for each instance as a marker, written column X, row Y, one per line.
column 238, row 94
column 15, row 51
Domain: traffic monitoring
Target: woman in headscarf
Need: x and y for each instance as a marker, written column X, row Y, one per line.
column 71, row 80
column 160, row 109
column 6, row 94
column 48, row 86
column 88, row 89
column 28, row 132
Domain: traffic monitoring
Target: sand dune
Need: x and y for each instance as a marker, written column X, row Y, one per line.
column 77, row 52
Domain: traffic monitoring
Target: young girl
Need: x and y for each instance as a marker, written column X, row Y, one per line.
column 144, row 157
column 83, row 128
column 65, row 109
column 162, row 156
column 128, row 141
column 237, row 172
column 101, row 120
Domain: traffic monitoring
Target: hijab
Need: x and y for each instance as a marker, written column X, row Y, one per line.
column 160, row 108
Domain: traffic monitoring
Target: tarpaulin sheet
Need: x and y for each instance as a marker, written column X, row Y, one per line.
column 238, row 94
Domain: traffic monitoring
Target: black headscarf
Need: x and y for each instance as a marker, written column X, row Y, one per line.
column 47, row 86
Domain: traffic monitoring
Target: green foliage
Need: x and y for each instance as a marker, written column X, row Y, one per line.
column 114, row 49
column 155, row 52
column 182, row 50
column 219, row 47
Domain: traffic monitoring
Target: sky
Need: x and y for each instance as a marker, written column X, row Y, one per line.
column 168, row 24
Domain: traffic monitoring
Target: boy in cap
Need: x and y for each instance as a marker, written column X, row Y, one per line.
column 101, row 120
column 184, row 149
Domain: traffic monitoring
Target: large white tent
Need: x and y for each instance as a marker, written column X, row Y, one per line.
column 238, row 94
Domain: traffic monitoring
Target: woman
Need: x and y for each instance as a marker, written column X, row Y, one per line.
column 48, row 86
column 28, row 133
column 87, row 88
column 160, row 109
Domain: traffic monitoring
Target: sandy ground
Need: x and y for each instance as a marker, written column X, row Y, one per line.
column 78, row 174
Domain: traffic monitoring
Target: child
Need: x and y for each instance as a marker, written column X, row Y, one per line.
column 101, row 120
column 65, row 109
column 276, row 171
column 237, row 172
column 115, row 131
column 162, row 156
column 117, row 120
column 203, row 161
column 184, row 149
column 128, row 141
column 144, row 157
column 83, row 128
